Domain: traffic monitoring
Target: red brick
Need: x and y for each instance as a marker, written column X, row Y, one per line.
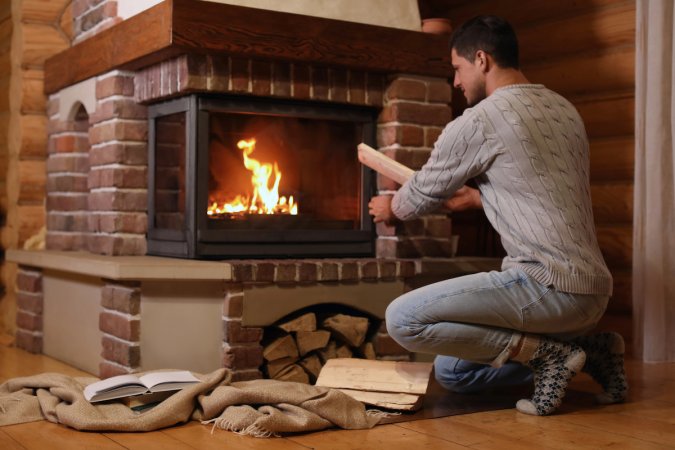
column 407, row 269
column 319, row 83
column 219, row 74
column 374, row 89
column 30, row 302
column 120, row 177
column 235, row 333
column 265, row 271
column 109, row 369
column 119, row 152
column 407, row 89
column 301, row 81
column 120, row 352
column 242, row 271
column 439, row 91
column 29, row 280
column 68, row 221
column 118, row 222
column 386, row 184
column 286, row 272
column 339, row 87
column 233, row 306
column 118, row 130
column 67, row 183
column 405, row 135
column 329, row 271
column 417, row 113
column 281, row 79
column 125, row 108
column 124, row 299
column 388, row 270
column 307, row 272
column 193, row 71
column 261, row 78
column 240, row 74
column 113, row 245
column 26, row 340
column 115, row 85
column 349, row 271
column 240, row 357
column 431, row 135
column 68, row 143
column 438, row 226
column 78, row 163
column 28, row 321
column 65, row 241
column 369, row 270
column 357, row 87
column 383, row 229
column 120, row 326
column 118, row 200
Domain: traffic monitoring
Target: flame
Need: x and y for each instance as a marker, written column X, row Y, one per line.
column 265, row 199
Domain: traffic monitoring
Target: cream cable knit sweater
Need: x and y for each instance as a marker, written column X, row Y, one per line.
column 527, row 149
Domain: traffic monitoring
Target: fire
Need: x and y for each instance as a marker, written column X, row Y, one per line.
column 265, row 199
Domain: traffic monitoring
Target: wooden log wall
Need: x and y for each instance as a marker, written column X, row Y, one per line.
column 30, row 32
column 585, row 50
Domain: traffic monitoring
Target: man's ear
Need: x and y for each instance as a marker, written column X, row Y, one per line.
column 482, row 60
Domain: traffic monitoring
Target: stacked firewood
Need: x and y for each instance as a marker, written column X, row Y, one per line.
column 295, row 350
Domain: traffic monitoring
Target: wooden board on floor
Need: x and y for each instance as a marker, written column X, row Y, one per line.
column 374, row 375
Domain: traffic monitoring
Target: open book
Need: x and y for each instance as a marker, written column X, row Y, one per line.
column 128, row 385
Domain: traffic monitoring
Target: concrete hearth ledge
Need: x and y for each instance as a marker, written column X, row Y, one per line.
column 123, row 267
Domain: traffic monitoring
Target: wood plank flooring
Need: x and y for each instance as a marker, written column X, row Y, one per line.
column 646, row 421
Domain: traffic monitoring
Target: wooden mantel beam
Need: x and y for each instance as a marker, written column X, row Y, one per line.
column 176, row 27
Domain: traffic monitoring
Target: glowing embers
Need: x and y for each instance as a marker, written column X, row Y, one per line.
column 263, row 200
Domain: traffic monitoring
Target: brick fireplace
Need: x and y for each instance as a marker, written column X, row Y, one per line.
column 94, row 297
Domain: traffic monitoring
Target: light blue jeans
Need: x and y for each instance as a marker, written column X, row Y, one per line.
column 481, row 317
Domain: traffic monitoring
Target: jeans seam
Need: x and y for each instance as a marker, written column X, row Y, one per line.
column 531, row 304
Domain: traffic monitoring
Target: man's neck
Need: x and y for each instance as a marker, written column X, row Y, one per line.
column 503, row 77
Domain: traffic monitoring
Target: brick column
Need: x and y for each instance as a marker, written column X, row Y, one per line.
column 118, row 177
column 415, row 111
column 242, row 351
column 29, row 301
column 92, row 16
column 67, row 167
column 121, row 325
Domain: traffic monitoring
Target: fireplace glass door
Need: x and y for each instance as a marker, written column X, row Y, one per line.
column 251, row 177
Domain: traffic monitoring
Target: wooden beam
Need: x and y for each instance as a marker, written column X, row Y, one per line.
column 139, row 37
column 183, row 26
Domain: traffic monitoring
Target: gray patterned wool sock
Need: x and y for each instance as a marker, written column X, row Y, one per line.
column 604, row 363
column 554, row 364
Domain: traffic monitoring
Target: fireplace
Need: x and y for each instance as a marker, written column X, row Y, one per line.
column 235, row 177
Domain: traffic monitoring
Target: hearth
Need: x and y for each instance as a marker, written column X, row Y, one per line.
column 235, row 177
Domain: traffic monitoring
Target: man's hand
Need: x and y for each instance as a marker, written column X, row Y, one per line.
column 380, row 208
column 465, row 198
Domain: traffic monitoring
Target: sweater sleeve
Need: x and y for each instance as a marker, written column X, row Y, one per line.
column 459, row 154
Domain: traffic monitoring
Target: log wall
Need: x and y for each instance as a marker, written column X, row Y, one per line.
column 30, row 32
column 585, row 50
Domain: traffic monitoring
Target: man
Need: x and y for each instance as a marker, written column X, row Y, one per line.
column 526, row 148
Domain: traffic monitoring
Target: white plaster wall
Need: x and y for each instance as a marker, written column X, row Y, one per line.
column 402, row 14
column 72, row 305
column 182, row 325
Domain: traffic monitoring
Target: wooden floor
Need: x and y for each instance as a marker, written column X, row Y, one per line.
column 646, row 421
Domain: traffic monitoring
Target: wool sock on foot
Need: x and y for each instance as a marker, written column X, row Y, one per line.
column 604, row 363
column 554, row 364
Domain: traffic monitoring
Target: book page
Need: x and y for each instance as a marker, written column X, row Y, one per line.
column 112, row 387
column 165, row 381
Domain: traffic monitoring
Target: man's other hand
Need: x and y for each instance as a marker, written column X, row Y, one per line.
column 380, row 208
column 465, row 198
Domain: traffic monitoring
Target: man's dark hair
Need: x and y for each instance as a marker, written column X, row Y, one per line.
column 491, row 34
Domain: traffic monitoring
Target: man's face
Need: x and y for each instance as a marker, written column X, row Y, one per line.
column 469, row 77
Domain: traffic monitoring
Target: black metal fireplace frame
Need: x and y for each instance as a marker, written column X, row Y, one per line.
column 196, row 240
